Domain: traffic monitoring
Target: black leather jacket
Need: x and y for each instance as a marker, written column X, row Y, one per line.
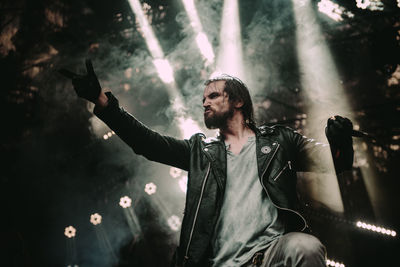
column 280, row 153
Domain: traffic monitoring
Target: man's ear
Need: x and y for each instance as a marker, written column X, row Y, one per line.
column 238, row 104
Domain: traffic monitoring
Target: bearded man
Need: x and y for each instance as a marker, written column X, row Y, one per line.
column 241, row 204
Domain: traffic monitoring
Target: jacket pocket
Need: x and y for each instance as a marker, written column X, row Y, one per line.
column 287, row 165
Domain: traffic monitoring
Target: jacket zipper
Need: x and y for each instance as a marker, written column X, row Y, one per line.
column 288, row 164
column 195, row 215
column 262, row 183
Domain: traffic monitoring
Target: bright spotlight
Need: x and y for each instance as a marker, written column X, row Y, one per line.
column 374, row 228
column 162, row 65
column 174, row 222
column 175, row 172
column 373, row 5
column 205, row 47
column 230, row 59
column 95, row 219
column 333, row 10
column 334, row 263
column 188, row 127
column 164, row 70
column 70, row 232
column 150, row 188
column 125, row 202
column 201, row 38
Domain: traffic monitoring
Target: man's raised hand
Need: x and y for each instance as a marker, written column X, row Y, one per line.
column 86, row 86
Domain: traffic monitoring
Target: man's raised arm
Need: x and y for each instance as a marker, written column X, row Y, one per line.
column 142, row 140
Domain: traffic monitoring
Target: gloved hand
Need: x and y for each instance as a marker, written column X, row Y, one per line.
column 338, row 131
column 86, row 86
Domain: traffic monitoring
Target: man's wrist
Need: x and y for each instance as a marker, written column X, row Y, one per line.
column 102, row 101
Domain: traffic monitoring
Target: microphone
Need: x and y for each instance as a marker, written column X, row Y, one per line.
column 356, row 133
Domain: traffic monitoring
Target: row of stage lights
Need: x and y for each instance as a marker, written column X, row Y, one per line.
column 108, row 135
column 334, row 263
column 173, row 221
column 376, row 229
column 337, row 13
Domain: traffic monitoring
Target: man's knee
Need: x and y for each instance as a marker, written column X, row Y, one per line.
column 304, row 245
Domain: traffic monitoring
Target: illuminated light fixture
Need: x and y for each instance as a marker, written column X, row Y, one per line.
column 70, row 232
column 205, row 47
column 162, row 65
column 334, row 263
column 95, row 219
column 230, row 59
column 164, row 70
column 201, row 38
column 108, row 135
column 398, row 3
column 175, row 172
column 373, row 5
column 174, row 222
column 183, row 184
column 125, row 202
column 188, row 127
column 186, row 124
column 375, row 228
column 322, row 88
column 333, row 10
column 150, row 188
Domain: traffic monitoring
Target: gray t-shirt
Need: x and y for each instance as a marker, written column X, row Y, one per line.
column 248, row 221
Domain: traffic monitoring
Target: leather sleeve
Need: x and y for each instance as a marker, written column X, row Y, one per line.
column 144, row 141
column 311, row 155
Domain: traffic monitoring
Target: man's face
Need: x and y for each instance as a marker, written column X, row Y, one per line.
column 217, row 108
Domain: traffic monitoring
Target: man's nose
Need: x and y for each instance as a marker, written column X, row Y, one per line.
column 206, row 103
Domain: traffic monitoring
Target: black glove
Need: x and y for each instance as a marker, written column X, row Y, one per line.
column 86, row 86
column 338, row 131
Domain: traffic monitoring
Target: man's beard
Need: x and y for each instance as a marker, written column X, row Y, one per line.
column 218, row 120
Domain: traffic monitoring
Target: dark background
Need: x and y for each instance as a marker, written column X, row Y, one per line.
column 57, row 169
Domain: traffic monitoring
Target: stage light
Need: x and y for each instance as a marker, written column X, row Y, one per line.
column 174, row 222
column 373, row 5
column 183, row 184
column 333, row 10
column 205, row 47
column 150, row 188
column 201, row 38
column 108, row 135
column 230, row 59
column 334, row 263
column 164, row 70
column 322, row 92
column 330, row 9
column 175, row 172
column 70, row 232
column 162, row 65
column 95, row 219
column 125, row 202
column 188, row 127
column 375, row 228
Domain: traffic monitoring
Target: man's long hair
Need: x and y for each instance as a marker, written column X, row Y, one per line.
column 237, row 91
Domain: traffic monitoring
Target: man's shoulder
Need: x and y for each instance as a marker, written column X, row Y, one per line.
column 266, row 129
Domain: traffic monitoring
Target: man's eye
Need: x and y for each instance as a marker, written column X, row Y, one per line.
column 213, row 95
